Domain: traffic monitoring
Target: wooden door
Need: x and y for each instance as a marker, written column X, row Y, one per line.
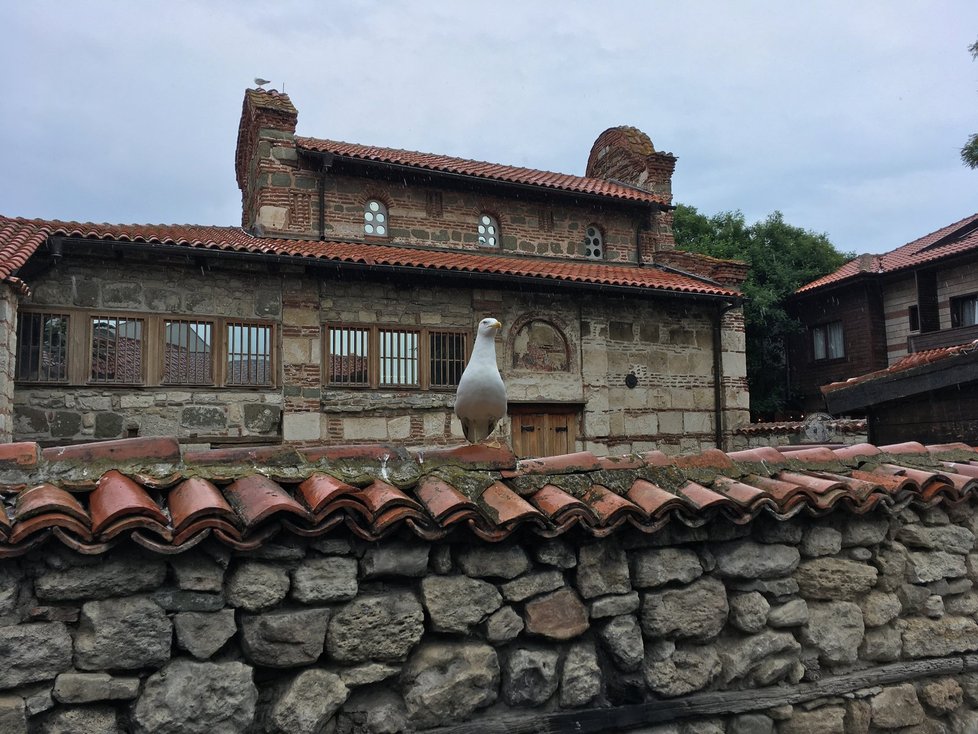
column 543, row 432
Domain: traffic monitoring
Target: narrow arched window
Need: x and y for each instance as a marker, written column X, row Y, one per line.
column 488, row 231
column 593, row 243
column 375, row 218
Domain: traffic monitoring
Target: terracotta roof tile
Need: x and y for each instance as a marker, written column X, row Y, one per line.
column 15, row 250
column 912, row 361
column 170, row 506
column 954, row 239
column 480, row 169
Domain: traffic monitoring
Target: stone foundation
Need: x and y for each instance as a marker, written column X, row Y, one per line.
column 840, row 624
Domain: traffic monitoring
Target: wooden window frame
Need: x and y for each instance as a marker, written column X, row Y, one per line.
column 62, row 313
column 820, row 332
column 79, row 349
column 373, row 356
column 957, row 305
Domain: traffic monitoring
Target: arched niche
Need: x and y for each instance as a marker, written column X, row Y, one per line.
column 540, row 346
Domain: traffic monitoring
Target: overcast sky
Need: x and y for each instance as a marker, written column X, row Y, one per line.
column 846, row 116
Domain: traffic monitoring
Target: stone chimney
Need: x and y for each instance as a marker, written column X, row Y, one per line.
column 626, row 155
column 265, row 165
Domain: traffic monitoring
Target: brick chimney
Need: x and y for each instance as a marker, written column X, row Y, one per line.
column 265, row 164
column 626, row 155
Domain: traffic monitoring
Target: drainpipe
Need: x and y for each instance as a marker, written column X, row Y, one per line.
column 718, row 373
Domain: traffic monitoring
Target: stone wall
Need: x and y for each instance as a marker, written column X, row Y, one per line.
column 856, row 620
column 8, row 359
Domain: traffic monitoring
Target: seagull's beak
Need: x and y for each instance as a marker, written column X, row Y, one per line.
column 497, row 325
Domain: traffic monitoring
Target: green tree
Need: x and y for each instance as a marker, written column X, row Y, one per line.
column 781, row 258
column 969, row 153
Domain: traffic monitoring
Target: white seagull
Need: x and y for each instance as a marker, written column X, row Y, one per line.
column 481, row 398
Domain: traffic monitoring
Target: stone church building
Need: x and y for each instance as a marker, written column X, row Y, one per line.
column 343, row 309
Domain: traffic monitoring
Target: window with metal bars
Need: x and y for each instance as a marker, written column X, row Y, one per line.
column 394, row 357
column 42, row 347
column 349, row 356
column 117, row 350
column 187, row 352
column 446, row 357
column 249, row 353
column 398, row 352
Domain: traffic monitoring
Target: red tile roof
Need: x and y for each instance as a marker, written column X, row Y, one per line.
column 19, row 238
column 93, row 496
column 481, row 169
column 954, row 239
column 910, row 362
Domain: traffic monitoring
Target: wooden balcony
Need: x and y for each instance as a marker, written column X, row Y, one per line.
column 942, row 338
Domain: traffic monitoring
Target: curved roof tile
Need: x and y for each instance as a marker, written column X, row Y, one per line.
column 239, row 505
column 19, row 238
column 481, row 169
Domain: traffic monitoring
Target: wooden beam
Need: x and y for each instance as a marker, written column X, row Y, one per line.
column 595, row 720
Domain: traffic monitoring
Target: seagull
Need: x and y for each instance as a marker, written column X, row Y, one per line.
column 481, row 398
column 261, row 82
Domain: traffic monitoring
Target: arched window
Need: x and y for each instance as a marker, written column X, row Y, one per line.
column 375, row 218
column 488, row 231
column 593, row 243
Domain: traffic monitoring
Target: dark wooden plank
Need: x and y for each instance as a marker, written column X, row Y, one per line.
column 593, row 721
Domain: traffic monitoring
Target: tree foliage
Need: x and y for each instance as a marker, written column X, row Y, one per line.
column 781, row 258
column 969, row 153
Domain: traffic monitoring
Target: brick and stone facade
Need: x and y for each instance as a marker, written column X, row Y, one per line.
column 639, row 367
column 844, row 624
column 8, row 355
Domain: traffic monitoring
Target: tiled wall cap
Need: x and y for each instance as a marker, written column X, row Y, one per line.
column 264, row 455
column 23, row 455
column 567, row 463
column 155, row 449
column 117, row 496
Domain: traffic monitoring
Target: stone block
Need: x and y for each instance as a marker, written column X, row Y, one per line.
column 614, row 605
column 376, row 627
column 530, row 676
column 481, row 561
column 188, row 697
column 307, row 702
column 558, row 616
column 580, row 679
column 936, row 637
column 329, row 579
column 89, row 687
column 896, row 707
column 821, row 540
column 87, row 719
column 284, row 639
column 365, row 429
column 33, row 652
column 399, row 428
column 444, row 683
column 503, row 625
column 555, row 553
column 122, row 634
column 688, row 669
column 740, row 657
column 301, row 427
column 458, row 603
column 197, row 572
column 204, row 418
column 864, row 531
column 108, row 425
column 261, row 418
column 13, row 716
column 880, row 607
column 255, row 586
column 950, row 538
column 792, row 614
column 622, row 638
column 660, row 566
column 532, row 584
column 834, row 578
column 881, row 644
column 116, row 575
column 923, row 567
column 201, row 633
column 835, row 629
column 825, row 720
column 602, row 569
column 745, row 559
column 698, row 610
column 395, row 559
column 748, row 611
column 943, row 695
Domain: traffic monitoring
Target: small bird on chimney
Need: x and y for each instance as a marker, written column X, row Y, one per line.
column 261, row 82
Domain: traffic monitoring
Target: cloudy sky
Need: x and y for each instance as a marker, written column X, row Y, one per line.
column 846, row 116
